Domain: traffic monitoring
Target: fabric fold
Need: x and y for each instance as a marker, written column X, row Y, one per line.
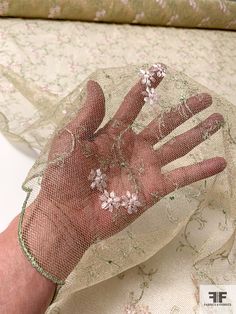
column 218, row 14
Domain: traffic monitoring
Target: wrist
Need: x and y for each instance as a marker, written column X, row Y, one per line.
column 47, row 241
column 28, row 288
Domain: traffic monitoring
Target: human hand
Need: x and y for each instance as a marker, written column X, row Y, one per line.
column 90, row 170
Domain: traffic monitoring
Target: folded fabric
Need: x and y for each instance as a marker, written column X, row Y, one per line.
column 58, row 57
column 185, row 13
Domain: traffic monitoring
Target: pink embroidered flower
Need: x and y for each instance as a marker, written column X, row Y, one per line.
column 99, row 15
column 193, row 4
column 173, row 19
column 159, row 70
column 4, row 6
column 161, row 3
column 110, row 201
column 136, row 309
column 131, row 202
column 151, row 96
column 223, row 6
column 98, row 180
column 138, row 17
column 146, row 77
column 54, row 11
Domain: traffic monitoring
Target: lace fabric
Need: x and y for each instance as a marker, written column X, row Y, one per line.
column 162, row 221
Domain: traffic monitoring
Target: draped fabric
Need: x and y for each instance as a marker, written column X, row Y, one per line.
column 186, row 238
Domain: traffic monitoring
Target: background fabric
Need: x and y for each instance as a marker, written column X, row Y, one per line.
column 58, row 56
column 188, row 13
column 65, row 53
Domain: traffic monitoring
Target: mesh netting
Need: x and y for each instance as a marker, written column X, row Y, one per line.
column 131, row 159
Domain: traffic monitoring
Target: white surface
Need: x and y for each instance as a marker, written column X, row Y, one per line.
column 14, row 165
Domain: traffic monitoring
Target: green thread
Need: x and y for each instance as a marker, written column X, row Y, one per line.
column 25, row 250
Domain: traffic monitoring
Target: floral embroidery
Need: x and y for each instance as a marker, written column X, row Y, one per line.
column 151, row 96
column 131, row 202
column 124, row 1
column 173, row 19
column 99, row 15
column 138, row 17
column 159, row 70
column 147, row 77
column 4, row 6
column 54, row 11
column 193, row 4
column 110, row 200
column 223, row 6
column 133, row 308
column 98, row 180
column 161, row 3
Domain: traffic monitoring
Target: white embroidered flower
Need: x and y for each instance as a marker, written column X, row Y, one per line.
column 98, row 180
column 99, row 15
column 4, row 6
column 136, row 309
column 110, row 200
column 223, row 6
column 193, row 4
column 131, row 202
column 54, row 11
column 138, row 17
column 147, row 77
column 162, row 3
column 150, row 96
column 159, row 70
column 173, row 19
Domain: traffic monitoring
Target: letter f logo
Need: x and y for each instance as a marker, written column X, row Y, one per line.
column 217, row 296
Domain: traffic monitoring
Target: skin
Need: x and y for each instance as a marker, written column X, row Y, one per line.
column 124, row 151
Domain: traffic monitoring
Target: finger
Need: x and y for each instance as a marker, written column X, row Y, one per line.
column 186, row 175
column 185, row 142
column 134, row 101
column 91, row 114
column 164, row 124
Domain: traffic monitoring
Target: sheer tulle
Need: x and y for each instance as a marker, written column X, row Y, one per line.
column 109, row 190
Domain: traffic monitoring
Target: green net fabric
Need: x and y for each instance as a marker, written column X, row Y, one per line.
column 109, row 189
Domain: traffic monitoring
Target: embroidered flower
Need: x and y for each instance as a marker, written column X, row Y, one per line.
column 98, row 180
column 151, row 96
column 173, row 19
column 131, row 202
column 137, row 309
column 99, row 15
column 110, row 200
column 138, row 17
column 159, row 70
column 54, row 11
column 193, row 4
column 147, row 77
column 161, row 3
column 223, row 6
column 124, row 1
column 4, row 6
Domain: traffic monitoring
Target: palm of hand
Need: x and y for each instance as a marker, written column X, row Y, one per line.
column 128, row 159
